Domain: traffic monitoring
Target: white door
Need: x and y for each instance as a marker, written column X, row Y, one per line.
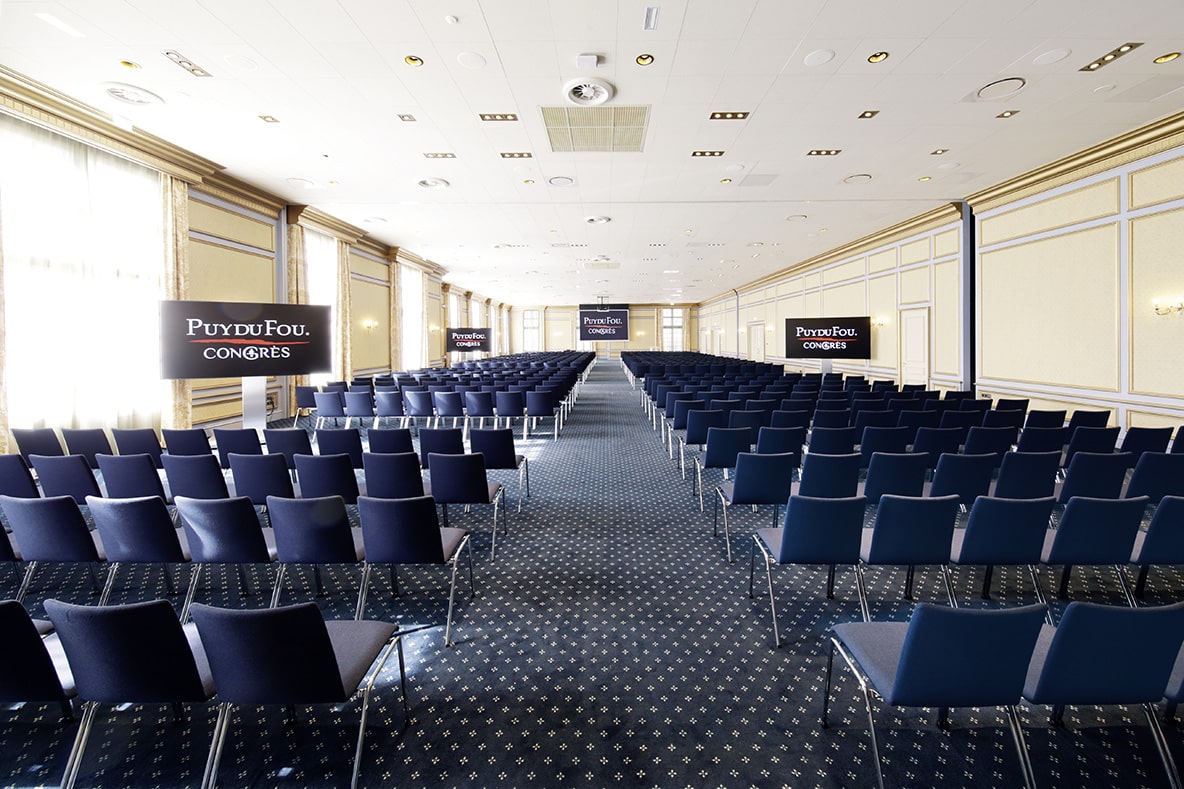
column 756, row 342
column 914, row 346
column 717, row 342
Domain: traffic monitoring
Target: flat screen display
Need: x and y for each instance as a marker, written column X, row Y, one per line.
column 828, row 338
column 604, row 324
column 234, row 339
column 466, row 340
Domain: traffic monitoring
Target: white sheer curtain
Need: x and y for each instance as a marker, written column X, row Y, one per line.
column 320, row 252
column 412, row 330
column 84, row 257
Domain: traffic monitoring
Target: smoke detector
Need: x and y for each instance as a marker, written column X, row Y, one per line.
column 589, row 92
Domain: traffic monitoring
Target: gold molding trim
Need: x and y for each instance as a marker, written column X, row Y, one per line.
column 1138, row 144
column 241, row 194
column 373, row 246
column 31, row 101
column 319, row 220
column 1130, row 186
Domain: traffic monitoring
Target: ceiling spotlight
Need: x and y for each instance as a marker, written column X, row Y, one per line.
column 413, row 60
column 1111, row 56
column 269, row 119
column 707, row 153
column 131, row 94
column 528, row 181
column 939, row 151
column 868, row 114
column 725, row 180
column 1007, row 113
column 562, row 180
column 598, row 220
column 858, row 178
column 924, row 178
column 134, row 65
column 645, row 59
column 824, row 152
column 185, row 63
column 407, row 118
column 728, row 116
column 877, row 57
column 1159, row 61
column 434, row 183
column 795, row 218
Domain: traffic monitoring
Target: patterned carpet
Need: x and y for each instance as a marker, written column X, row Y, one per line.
column 610, row 644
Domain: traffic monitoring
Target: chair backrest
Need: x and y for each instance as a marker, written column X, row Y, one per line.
column 997, row 418
column 831, row 419
column 50, row 529
column 15, row 479
column 401, row 531
column 479, row 403
column 448, row 403
column 330, row 404
column 288, row 442
column 135, row 653
column 304, row 397
column 390, row 440
column 510, row 404
column 1012, row 404
column 822, row 530
column 441, row 441
column 1102, row 654
column 913, row 530
column 37, row 441
column 341, row 441
column 873, row 418
column 780, row 440
column 87, row 442
column 541, row 402
column 392, row 475
column 359, row 402
column 496, row 445
column 1095, row 531
column 65, row 475
column 968, row 476
column 882, row 439
column 833, row 440
column 724, row 444
column 27, row 672
column 137, row 441
column 1090, row 439
column 830, row 476
column 312, row 530
column 1042, row 439
column 250, row 653
column 899, row 473
column 1163, row 542
column 388, row 403
column 326, row 475
column 994, row 441
column 962, row 420
column 1086, row 418
column 129, row 476
column 790, row 418
column 748, row 420
column 136, row 530
column 1045, row 419
column 1005, row 531
column 1156, row 475
column 223, row 531
column 1145, row 439
column 1096, row 474
column 459, row 479
column 196, row 476
column 763, row 478
column 915, row 420
column 242, row 441
column 260, row 476
column 965, row 657
column 185, row 441
column 1027, row 475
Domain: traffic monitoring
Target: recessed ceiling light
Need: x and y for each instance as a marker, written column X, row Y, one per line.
column 869, row 114
column 434, row 183
column 439, row 155
column 1111, row 56
column 54, row 22
column 707, row 153
column 877, row 57
column 924, row 178
column 728, row 116
column 498, row 116
column 1104, row 88
column 949, row 166
column 824, row 152
column 517, row 155
column 645, row 59
column 1051, row 56
column 129, row 64
column 451, row 20
column 562, row 180
column 528, row 181
column 374, row 220
column 795, row 217
column 185, row 63
column 598, row 220
column 661, row 244
column 725, row 180
column 939, row 151
column 1168, row 58
column 413, row 60
column 818, row 57
column 407, row 118
column 1008, row 113
column 269, row 119
column 650, row 21
column 672, row 271
column 131, row 94
column 858, row 178
column 303, row 183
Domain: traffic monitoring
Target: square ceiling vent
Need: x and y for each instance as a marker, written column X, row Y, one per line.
column 591, row 129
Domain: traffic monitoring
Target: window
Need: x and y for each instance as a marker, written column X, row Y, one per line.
column 495, row 329
column 672, row 327
column 531, row 331
column 476, row 321
column 83, row 232
column 456, row 318
column 320, row 255
column 411, row 302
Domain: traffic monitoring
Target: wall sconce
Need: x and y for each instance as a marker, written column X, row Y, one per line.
column 369, row 324
column 879, row 323
column 1168, row 309
column 433, row 329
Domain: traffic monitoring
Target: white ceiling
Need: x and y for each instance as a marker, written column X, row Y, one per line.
column 333, row 73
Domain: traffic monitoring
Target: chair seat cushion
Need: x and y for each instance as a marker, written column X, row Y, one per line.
column 450, row 538
column 771, row 538
column 356, row 645
column 726, row 489
column 876, row 647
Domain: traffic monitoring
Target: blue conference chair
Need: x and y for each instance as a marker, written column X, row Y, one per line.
column 760, row 479
column 1004, row 532
column 137, row 441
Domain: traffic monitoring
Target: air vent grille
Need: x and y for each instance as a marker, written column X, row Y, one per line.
column 596, row 129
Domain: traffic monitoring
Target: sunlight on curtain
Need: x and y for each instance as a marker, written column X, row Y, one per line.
column 84, row 248
column 320, row 254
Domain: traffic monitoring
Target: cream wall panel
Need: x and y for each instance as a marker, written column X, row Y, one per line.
column 369, row 302
column 217, row 221
column 946, row 317
column 881, row 294
column 845, row 300
column 643, row 330
column 516, row 331
column 1081, row 205
column 811, row 281
column 215, row 410
column 557, row 326
column 1037, row 295
column 218, row 273
column 1157, row 184
column 914, row 286
column 811, row 305
column 947, row 243
column 751, row 297
column 1149, row 419
column 845, row 271
column 914, row 251
column 791, row 287
column 1157, row 341
column 882, row 261
column 369, row 268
